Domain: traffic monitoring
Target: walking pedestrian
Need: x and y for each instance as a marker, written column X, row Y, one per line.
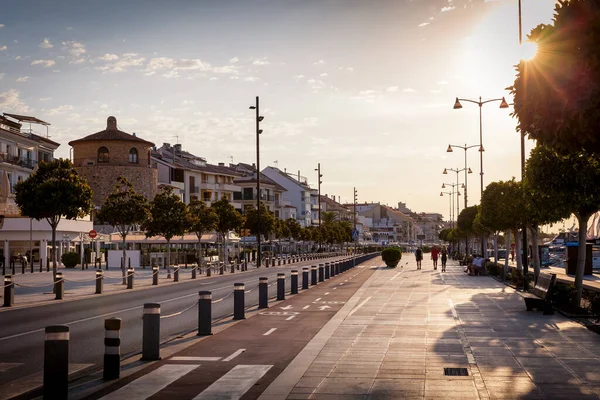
column 419, row 257
column 444, row 258
column 434, row 256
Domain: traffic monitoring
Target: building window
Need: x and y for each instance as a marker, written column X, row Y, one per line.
column 133, row 156
column 102, row 155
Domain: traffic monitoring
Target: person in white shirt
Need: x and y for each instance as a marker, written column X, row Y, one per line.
column 477, row 264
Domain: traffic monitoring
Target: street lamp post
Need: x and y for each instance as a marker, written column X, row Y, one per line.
column 259, row 118
column 467, row 170
column 458, row 171
column 451, row 200
column 319, row 176
column 480, row 103
column 355, row 240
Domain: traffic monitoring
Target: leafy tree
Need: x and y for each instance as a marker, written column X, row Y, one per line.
column 465, row 220
column 168, row 218
column 228, row 218
column 568, row 182
column 268, row 222
column 52, row 192
column 556, row 94
column 123, row 209
column 203, row 219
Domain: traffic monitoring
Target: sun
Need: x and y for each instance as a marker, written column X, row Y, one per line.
column 528, row 51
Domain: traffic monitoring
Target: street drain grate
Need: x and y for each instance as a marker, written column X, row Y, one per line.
column 456, row 372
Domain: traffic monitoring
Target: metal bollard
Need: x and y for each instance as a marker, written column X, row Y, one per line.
column 263, row 292
column 204, row 313
column 112, row 348
column 327, row 271
column 59, row 286
column 154, row 275
column 129, row 278
column 321, row 272
column 279, row 261
column 47, row 264
column 233, row 267
column 281, row 286
column 294, row 282
column 176, row 273
column 99, row 281
column 336, row 268
column 238, row 301
column 313, row 275
column 151, row 332
column 273, row 261
column 208, row 270
column 56, row 362
column 194, row 271
column 304, row 278
column 9, row 291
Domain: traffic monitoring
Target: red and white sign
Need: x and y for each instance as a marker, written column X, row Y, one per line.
column 92, row 234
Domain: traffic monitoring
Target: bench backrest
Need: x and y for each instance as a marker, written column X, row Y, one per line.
column 544, row 285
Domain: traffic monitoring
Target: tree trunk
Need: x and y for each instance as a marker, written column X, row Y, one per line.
column 496, row 247
column 582, row 220
column 168, row 258
column 507, row 254
column 200, row 252
column 124, row 261
column 535, row 250
column 518, row 250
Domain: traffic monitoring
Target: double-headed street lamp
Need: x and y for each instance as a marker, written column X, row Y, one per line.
column 457, row 192
column 259, row 118
column 451, row 201
column 480, row 103
column 319, row 176
column 458, row 171
column 467, row 170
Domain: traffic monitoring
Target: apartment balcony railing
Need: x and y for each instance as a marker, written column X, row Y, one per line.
column 245, row 196
column 16, row 160
column 194, row 190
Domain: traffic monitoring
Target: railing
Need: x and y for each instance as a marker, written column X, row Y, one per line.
column 16, row 160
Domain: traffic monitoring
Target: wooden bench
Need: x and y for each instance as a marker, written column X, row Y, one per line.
column 539, row 298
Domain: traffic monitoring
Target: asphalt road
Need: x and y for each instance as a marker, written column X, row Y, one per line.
column 22, row 329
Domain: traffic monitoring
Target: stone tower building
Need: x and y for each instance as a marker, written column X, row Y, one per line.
column 104, row 156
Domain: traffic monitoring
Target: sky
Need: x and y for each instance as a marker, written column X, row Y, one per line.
column 365, row 88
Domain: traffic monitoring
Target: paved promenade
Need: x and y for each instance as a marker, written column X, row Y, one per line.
column 410, row 325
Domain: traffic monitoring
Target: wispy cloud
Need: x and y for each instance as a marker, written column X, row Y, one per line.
column 122, row 63
column 45, row 98
column 251, row 79
column 59, row 109
column 299, row 76
column 436, row 91
column 324, row 74
column 46, row 44
column 76, row 50
column 448, row 8
column 11, row 101
column 1, row 26
column 22, row 79
column 44, row 63
column 109, row 57
column 392, row 89
column 320, row 62
column 233, row 60
column 3, row 48
column 1, row 76
column 443, row 82
column 161, row 64
column 423, row 24
column 409, row 90
column 261, row 61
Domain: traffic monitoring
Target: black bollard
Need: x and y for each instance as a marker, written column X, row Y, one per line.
column 204, row 313
column 59, row 286
column 313, row 275
column 304, row 278
column 194, row 269
column 151, row 332
column 47, row 264
column 281, row 286
column 12, row 266
column 129, row 278
column 321, row 272
column 263, row 292
column 238, row 301
column 176, row 273
column 56, row 362
column 112, row 349
column 294, row 282
column 22, row 266
column 279, row 261
column 9, row 291
column 154, row 275
column 327, row 270
column 273, row 263
column 99, row 281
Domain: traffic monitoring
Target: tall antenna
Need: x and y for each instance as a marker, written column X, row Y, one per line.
column 276, row 163
column 231, row 158
column 176, row 139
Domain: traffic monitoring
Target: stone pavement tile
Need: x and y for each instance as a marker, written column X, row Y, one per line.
column 309, row 382
column 302, row 396
column 566, row 391
column 502, row 373
column 569, row 352
column 346, row 386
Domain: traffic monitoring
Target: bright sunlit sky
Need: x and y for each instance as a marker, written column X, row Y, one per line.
column 366, row 88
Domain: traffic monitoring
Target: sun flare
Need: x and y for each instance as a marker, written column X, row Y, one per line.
column 528, row 51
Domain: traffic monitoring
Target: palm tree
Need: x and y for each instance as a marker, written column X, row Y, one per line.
column 328, row 217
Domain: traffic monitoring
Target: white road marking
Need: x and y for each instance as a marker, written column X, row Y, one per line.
column 318, row 299
column 186, row 358
column 289, row 318
column 323, row 307
column 395, row 276
column 286, row 307
column 234, row 354
column 6, row 366
column 152, row 383
column 235, row 383
column 359, row 306
column 326, row 293
column 305, row 307
column 334, row 288
column 267, row 333
column 341, row 283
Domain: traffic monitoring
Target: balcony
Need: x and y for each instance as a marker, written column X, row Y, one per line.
column 195, row 190
column 250, row 196
column 18, row 161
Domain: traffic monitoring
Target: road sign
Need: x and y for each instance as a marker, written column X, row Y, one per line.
column 92, row 234
column 355, row 234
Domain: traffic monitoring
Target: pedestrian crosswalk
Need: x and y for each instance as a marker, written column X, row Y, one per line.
column 232, row 386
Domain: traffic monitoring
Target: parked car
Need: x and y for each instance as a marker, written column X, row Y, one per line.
column 501, row 253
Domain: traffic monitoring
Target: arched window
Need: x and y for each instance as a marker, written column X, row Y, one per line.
column 133, row 155
column 102, row 155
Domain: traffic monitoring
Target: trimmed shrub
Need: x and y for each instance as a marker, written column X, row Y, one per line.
column 70, row 260
column 391, row 256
